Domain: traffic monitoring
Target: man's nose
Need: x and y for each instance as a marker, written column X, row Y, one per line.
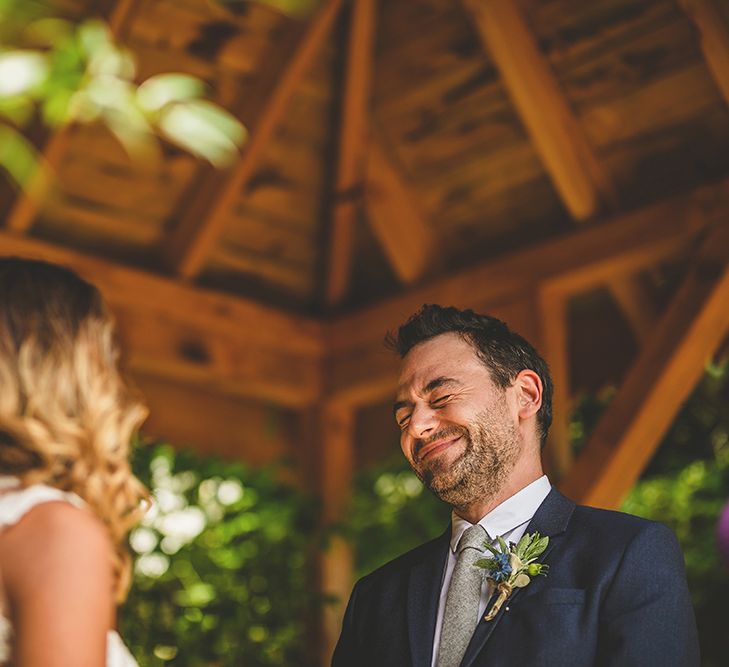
column 423, row 421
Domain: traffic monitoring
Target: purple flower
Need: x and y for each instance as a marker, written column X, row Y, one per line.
column 503, row 568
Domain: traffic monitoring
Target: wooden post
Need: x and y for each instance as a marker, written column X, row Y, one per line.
column 555, row 343
column 336, row 460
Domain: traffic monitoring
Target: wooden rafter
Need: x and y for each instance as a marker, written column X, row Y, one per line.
column 578, row 176
column 659, row 382
column 204, row 217
column 578, row 262
column 396, row 217
column 194, row 336
column 24, row 211
column 714, row 37
column 352, row 141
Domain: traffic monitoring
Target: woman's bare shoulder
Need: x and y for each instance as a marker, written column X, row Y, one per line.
column 55, row 537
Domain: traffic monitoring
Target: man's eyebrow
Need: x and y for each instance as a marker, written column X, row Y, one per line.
column 433, row 384
column 439, row 382
column 399, row 405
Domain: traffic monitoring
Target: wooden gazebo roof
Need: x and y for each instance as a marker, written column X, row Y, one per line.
column 562, row 164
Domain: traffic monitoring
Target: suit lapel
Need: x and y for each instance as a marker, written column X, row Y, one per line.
column 423, row 596
column 550, row 519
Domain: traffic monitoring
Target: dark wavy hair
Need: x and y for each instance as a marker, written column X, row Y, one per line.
column 504, row 352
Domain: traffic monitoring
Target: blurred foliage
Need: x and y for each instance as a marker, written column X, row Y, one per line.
column 222, row 571
column 685, row 486
column 54, row 73
column 391, row 513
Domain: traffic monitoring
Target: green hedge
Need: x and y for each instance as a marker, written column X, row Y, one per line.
column 222, row 575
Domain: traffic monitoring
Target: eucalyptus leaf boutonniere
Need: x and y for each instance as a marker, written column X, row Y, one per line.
column 513, row 566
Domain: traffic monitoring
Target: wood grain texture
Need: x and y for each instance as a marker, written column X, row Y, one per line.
column 576, row 172
column 199, row 229
column 661, row 379
column 353, row 138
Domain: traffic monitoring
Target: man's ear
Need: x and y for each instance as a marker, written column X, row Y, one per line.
column 528, row 387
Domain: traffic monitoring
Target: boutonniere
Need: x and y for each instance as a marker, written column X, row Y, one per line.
column 513, row 566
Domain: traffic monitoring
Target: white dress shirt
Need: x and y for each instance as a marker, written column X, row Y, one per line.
column 509, row 521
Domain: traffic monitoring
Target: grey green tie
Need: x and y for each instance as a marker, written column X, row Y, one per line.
column 464, row 593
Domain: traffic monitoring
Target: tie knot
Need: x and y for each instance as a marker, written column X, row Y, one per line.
column 472, row 538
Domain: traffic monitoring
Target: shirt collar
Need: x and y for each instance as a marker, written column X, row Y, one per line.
column 512, row 513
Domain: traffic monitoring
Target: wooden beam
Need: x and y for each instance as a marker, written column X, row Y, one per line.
column 578, row 176
column 360, row 372
column 203, row 218
column 24, row 211
column 396, row 218
column 214, row 423
column 352, row 141
column 555, row 348
column 192, row 335
column 659, row 382
column 573, row 263
column 714, row 39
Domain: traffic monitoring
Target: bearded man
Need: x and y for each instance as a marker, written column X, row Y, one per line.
column 474, row 407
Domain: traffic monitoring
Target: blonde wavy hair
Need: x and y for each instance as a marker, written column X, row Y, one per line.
column 66, row 414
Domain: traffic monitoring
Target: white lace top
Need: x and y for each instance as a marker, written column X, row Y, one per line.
column 14, row 504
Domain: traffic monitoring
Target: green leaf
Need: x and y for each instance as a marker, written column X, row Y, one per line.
column 204, row 130
column 502, row 545
column 491, row 548
column 92, row 36
column 18, row 110
column 541, row 546
column 21, row 72
column 522, row 546
column 158, row 91
column 19, row 158
column 486, row 563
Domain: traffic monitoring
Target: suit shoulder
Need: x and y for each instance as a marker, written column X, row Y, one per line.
column 619, row 524
column 404, row 562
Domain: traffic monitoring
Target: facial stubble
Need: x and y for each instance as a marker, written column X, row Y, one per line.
column 480, row 472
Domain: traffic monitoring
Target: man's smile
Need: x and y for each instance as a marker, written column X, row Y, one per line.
column 432, row 449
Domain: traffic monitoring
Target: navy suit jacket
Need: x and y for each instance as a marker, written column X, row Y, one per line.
column 615, row 595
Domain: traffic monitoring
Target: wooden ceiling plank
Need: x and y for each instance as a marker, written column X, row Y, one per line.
column 555, row 348
column 24, row 211
column 396, row 217
column 197, row 232
column 658, row 384
column 714, row 39
column 353, row 130
column 160, row 346
column 215, row 423
column 578, row 176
